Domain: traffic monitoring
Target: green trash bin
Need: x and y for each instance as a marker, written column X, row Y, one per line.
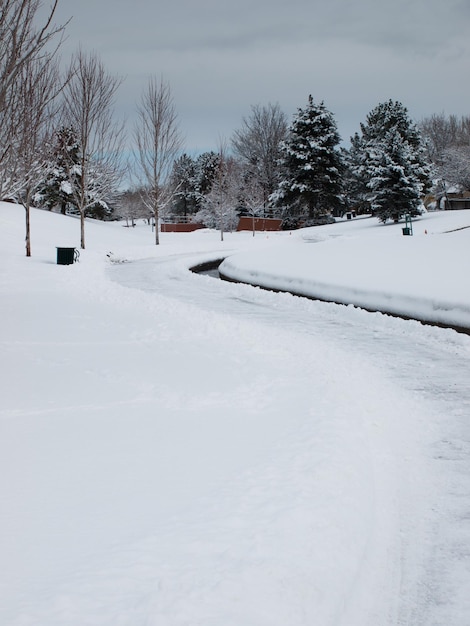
column 66, row 256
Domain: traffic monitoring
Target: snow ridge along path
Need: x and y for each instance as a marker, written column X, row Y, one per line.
column 411, row 277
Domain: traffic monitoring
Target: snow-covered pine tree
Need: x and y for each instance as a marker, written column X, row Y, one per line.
column 311, row 184
column 63, row 172
column 62, row 186
column 394, row 165
column 355, row 161
column 396, row 190
column 207, row 171
column 184, row 185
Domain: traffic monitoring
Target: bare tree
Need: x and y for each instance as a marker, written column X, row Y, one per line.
column 447, row 139
column 22, row 43
column 21, row 40
column 455, row 166
column 39, row 84
column 220, row 205
column 29, row 83
column 252, row 197
column 257, row 143
column 442, row 132
column 131, row 206
column 88, row 109
column 9, row 118
column 157, row 144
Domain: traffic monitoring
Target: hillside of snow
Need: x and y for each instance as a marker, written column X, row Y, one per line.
column 178, row 450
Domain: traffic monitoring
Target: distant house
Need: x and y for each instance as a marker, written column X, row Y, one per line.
column 454, row 201
column 258, row 223
column 179, row 227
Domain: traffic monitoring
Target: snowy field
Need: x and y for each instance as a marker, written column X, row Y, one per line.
column 177, row 450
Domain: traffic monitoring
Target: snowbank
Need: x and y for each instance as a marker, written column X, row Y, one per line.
column 376, row 268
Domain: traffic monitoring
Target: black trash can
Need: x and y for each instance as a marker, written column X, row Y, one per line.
column 65, row 256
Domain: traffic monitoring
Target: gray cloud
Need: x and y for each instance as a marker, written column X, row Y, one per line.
column 221, row 57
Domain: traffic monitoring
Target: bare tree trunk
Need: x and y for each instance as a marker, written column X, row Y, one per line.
column 156, row 217
column 28, row 232
column 221, row 209
column 82, row 230
column 222, row 187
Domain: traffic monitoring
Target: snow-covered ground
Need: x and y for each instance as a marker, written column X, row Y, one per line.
column 177, row 450
column 375, row 268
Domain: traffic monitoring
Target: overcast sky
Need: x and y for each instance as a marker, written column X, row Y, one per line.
column 222, row 57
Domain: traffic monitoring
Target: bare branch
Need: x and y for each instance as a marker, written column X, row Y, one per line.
column 21, row 41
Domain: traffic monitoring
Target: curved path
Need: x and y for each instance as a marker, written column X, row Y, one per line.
column 429, row 366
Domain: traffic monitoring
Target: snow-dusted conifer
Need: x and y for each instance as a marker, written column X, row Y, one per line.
column 63, row 183
column 393, row 165
column 184, row 184
column 396, row 189
column 192, row 180
column 64, row 171
column 311, row 184
column 207, row 171
column 355, row 177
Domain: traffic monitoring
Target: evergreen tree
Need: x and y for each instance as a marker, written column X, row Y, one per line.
column 357, row 193
column 184, row 183
column 396, row 189
column 64, row 172
column 207, row 170
column 389, row 159
column 192, row 181
column 63, row 182
column 311, row 184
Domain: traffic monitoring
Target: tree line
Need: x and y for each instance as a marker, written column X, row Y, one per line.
column 62, row 148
